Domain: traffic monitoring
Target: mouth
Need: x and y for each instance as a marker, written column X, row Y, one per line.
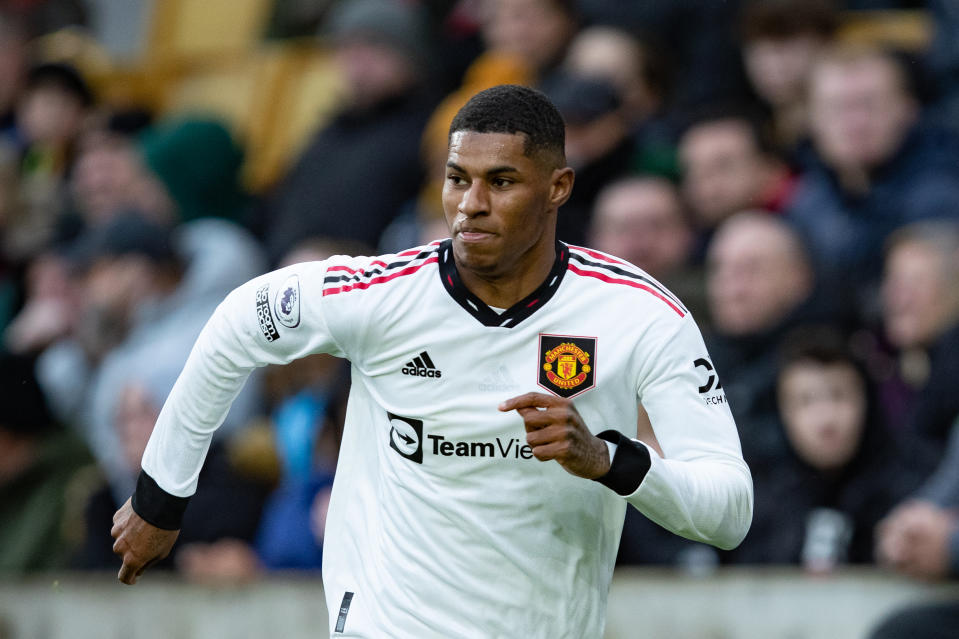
column 472, row 236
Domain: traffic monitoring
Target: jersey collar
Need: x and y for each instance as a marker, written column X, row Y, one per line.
column 519, row 311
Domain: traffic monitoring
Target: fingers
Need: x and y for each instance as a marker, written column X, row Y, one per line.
column 552, row 450
column 551, row 433
column 531, row 400
column 128, row 574
column 534, row 419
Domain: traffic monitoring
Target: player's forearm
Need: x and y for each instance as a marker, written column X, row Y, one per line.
column 213, row 375
column 705, row 500
column 708, row 499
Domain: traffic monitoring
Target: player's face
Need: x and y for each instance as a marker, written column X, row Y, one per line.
column 500, row 203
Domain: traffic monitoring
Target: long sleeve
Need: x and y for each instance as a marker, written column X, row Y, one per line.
column 272, row 319
column 702, row 490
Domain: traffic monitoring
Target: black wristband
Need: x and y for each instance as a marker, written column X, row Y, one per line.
column 629, row 465
column 156, row 506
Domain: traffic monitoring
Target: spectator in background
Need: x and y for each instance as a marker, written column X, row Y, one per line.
column 876, row 169
column 729, row 166
column 920, row 308
column 841, row 473
column 781, row 40
column 40, row 465
column 636, row 71
column 174, row 171
column 359, row 170
column 642, row 220
column 598, row 145
column 109, row 176
column 620, row 58
column 760, row 285
column 920, row 538
column 51, row 112
column 145, row 295
column 182, row 169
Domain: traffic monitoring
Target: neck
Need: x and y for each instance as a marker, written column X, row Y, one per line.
column 854, row 179
column 503, row 288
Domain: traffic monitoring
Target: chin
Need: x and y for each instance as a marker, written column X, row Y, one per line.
column 474, row 258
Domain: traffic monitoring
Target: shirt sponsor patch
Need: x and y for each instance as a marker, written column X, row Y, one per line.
column 264, row 315
column 406, row 437
column 567, row 364
column 287, row 304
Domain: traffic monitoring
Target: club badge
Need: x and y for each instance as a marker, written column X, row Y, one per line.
column 567, row 364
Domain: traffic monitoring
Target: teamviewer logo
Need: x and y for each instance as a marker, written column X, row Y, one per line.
column 406, row 437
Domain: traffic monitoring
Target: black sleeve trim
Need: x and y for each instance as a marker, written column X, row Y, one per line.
column 630, row 464
column 156, row 506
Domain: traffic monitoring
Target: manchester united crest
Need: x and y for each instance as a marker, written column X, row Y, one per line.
column 567, row 364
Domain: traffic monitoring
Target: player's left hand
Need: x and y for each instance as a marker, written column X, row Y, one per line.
column 556, row 430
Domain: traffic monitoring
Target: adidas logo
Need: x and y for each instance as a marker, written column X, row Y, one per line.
column 422, row 366
column 499, row 381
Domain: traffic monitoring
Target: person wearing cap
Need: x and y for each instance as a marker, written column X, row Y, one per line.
column 598, row 144
column 361, row 168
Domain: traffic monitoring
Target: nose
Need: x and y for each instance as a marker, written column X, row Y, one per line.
column 475, row 200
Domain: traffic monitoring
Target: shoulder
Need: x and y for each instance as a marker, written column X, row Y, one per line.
column 607, row 274
column 346, row 274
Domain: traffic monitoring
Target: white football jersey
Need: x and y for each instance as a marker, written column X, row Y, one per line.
column 441, row 522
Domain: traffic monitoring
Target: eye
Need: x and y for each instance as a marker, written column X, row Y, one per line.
column 501, row 182
column 455, row 180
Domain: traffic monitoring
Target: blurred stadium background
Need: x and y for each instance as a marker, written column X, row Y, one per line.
column 789, row 167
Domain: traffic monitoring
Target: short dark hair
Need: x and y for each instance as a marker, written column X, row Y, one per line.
column 824, row 345
column 61, row 76
column 750, row 115
column 511, row 108
column 783, row 19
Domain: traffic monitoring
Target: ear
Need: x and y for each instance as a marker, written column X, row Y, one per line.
column 561, row 186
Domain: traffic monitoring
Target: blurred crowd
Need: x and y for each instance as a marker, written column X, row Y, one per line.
column 800, row 192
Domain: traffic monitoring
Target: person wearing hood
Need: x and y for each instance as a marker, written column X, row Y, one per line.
column 841, row 472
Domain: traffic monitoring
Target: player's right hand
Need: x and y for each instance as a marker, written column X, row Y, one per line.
column 138, row 543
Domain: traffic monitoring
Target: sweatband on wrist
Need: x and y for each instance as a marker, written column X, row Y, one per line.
column 629, row 466
column 156, row 506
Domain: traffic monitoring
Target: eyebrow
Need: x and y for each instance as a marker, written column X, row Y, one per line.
column 496, row 170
